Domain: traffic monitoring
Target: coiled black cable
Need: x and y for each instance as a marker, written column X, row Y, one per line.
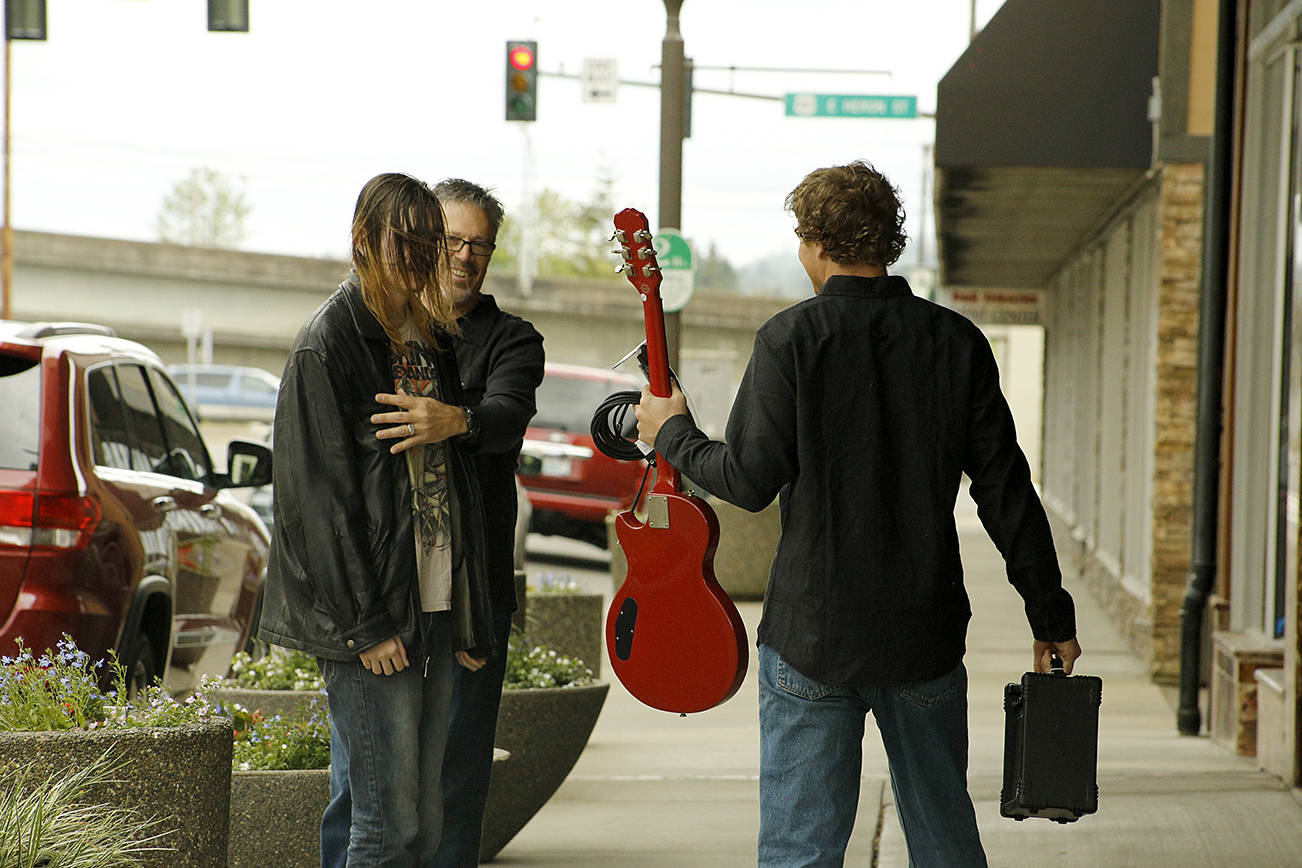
column 608, row 423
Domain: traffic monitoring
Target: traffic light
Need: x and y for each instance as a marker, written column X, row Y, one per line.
column 521, row 81
column 228, row 15
column 25, row 19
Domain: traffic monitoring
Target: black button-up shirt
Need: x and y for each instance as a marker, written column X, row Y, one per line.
column 862, row 408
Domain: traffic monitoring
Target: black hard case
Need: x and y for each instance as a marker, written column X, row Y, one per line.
column 1051, row 737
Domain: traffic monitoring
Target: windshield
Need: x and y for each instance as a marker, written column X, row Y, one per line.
column 568, row 403
column 20, row 423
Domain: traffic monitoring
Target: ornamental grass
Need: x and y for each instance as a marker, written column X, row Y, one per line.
column 45, row 823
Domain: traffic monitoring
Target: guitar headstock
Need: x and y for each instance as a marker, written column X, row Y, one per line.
column 633, row 234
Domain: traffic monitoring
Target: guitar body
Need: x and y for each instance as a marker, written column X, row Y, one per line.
column 675, row 640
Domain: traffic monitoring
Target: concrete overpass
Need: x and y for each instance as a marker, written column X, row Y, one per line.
column 255, row 302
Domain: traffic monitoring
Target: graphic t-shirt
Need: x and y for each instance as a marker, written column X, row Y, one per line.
column 432, row 494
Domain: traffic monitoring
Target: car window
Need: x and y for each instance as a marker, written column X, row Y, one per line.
column 20, row 423
column 567, row 403
column 187, row 456
column 255, row 385
column 110, row 439
column 148, row 448
column 207, row 378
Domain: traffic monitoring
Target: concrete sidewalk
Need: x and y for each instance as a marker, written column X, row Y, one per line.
column 653, row 789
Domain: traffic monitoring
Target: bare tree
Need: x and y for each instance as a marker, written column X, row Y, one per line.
column 204, row 208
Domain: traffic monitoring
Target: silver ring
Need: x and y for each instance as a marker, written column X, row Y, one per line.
column 411, row 431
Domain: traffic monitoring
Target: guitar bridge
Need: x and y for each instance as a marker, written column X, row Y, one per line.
column 657, row 511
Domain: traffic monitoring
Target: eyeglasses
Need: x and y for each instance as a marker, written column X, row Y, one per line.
column 477, row 247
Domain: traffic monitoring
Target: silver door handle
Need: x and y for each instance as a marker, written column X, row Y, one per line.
column 164, row 503
column 211, row 510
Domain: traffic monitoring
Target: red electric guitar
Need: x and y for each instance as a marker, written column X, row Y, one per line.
column 675, row 639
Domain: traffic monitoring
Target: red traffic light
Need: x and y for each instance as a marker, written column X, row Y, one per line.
column 521, row 57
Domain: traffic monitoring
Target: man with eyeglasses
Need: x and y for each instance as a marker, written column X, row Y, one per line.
column 500, row 358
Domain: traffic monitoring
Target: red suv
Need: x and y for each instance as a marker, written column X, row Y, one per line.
column 571, row 485
column 114, row 526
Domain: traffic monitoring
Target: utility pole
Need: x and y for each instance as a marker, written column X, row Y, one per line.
column 671, row 149
column 6, row 231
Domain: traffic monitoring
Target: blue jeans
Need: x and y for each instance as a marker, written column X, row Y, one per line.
column 468, row 763
column 386, row 760
column 811, row 757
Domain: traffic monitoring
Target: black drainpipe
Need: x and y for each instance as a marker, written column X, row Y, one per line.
column 1211, row 351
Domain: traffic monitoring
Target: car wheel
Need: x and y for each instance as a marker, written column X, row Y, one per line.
column 140, row 665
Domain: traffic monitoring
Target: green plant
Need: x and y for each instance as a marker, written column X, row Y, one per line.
column 539, row 666
column 152, row 706
column 281, row 743
column 60, row 690
column 47, row 824
column 55, row 691
column 282, row 669
column 551, row 583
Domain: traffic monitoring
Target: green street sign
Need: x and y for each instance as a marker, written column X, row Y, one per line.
column 678, row 276
column 840, row 105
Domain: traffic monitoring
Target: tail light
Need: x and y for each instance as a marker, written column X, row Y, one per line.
column 42, row 520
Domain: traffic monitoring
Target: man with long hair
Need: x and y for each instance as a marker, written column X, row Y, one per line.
column 377, row 559
column 500, row 358
column 861, row 408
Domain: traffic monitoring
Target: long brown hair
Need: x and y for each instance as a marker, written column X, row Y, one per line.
column 397, row 247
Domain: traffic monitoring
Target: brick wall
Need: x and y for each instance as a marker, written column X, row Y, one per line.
column 1176, row 406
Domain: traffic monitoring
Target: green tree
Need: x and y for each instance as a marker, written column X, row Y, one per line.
column 204, row 208
column 714, row 272
column 571, row 238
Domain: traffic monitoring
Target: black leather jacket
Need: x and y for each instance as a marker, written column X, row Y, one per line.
column 342, row 575
column 501, row 360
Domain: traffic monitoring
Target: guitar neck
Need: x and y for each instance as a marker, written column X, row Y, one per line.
column 657, row 366
column 657, row 347
column 643, row 271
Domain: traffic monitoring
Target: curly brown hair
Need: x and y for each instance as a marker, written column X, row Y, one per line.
column 853, row 211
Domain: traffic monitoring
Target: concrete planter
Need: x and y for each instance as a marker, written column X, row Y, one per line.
column 569, row 624
column 276, row 818
column 179, row 774
column 545, row 731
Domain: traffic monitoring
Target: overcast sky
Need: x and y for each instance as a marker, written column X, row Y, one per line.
column 127, row 96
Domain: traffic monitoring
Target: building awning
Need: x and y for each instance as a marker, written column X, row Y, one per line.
column 1041, row 126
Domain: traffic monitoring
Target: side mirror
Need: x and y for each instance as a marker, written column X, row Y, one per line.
column 248, row 464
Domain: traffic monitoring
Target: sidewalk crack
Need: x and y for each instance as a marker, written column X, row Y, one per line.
column 877, row 833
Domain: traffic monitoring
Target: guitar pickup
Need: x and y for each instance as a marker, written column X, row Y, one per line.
column 657, row 511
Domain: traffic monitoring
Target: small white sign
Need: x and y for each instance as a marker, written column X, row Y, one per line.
column 600, row 79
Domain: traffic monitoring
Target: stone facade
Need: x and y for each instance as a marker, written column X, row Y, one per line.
column 1176, row 407
column 1152, row 626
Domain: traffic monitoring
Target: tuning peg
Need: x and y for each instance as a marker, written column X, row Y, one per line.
column 619, row 236
column 648, row 270
column 619, row 269
column 642, row 236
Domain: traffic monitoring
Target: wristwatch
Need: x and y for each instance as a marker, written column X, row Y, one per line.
column 472, row 424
